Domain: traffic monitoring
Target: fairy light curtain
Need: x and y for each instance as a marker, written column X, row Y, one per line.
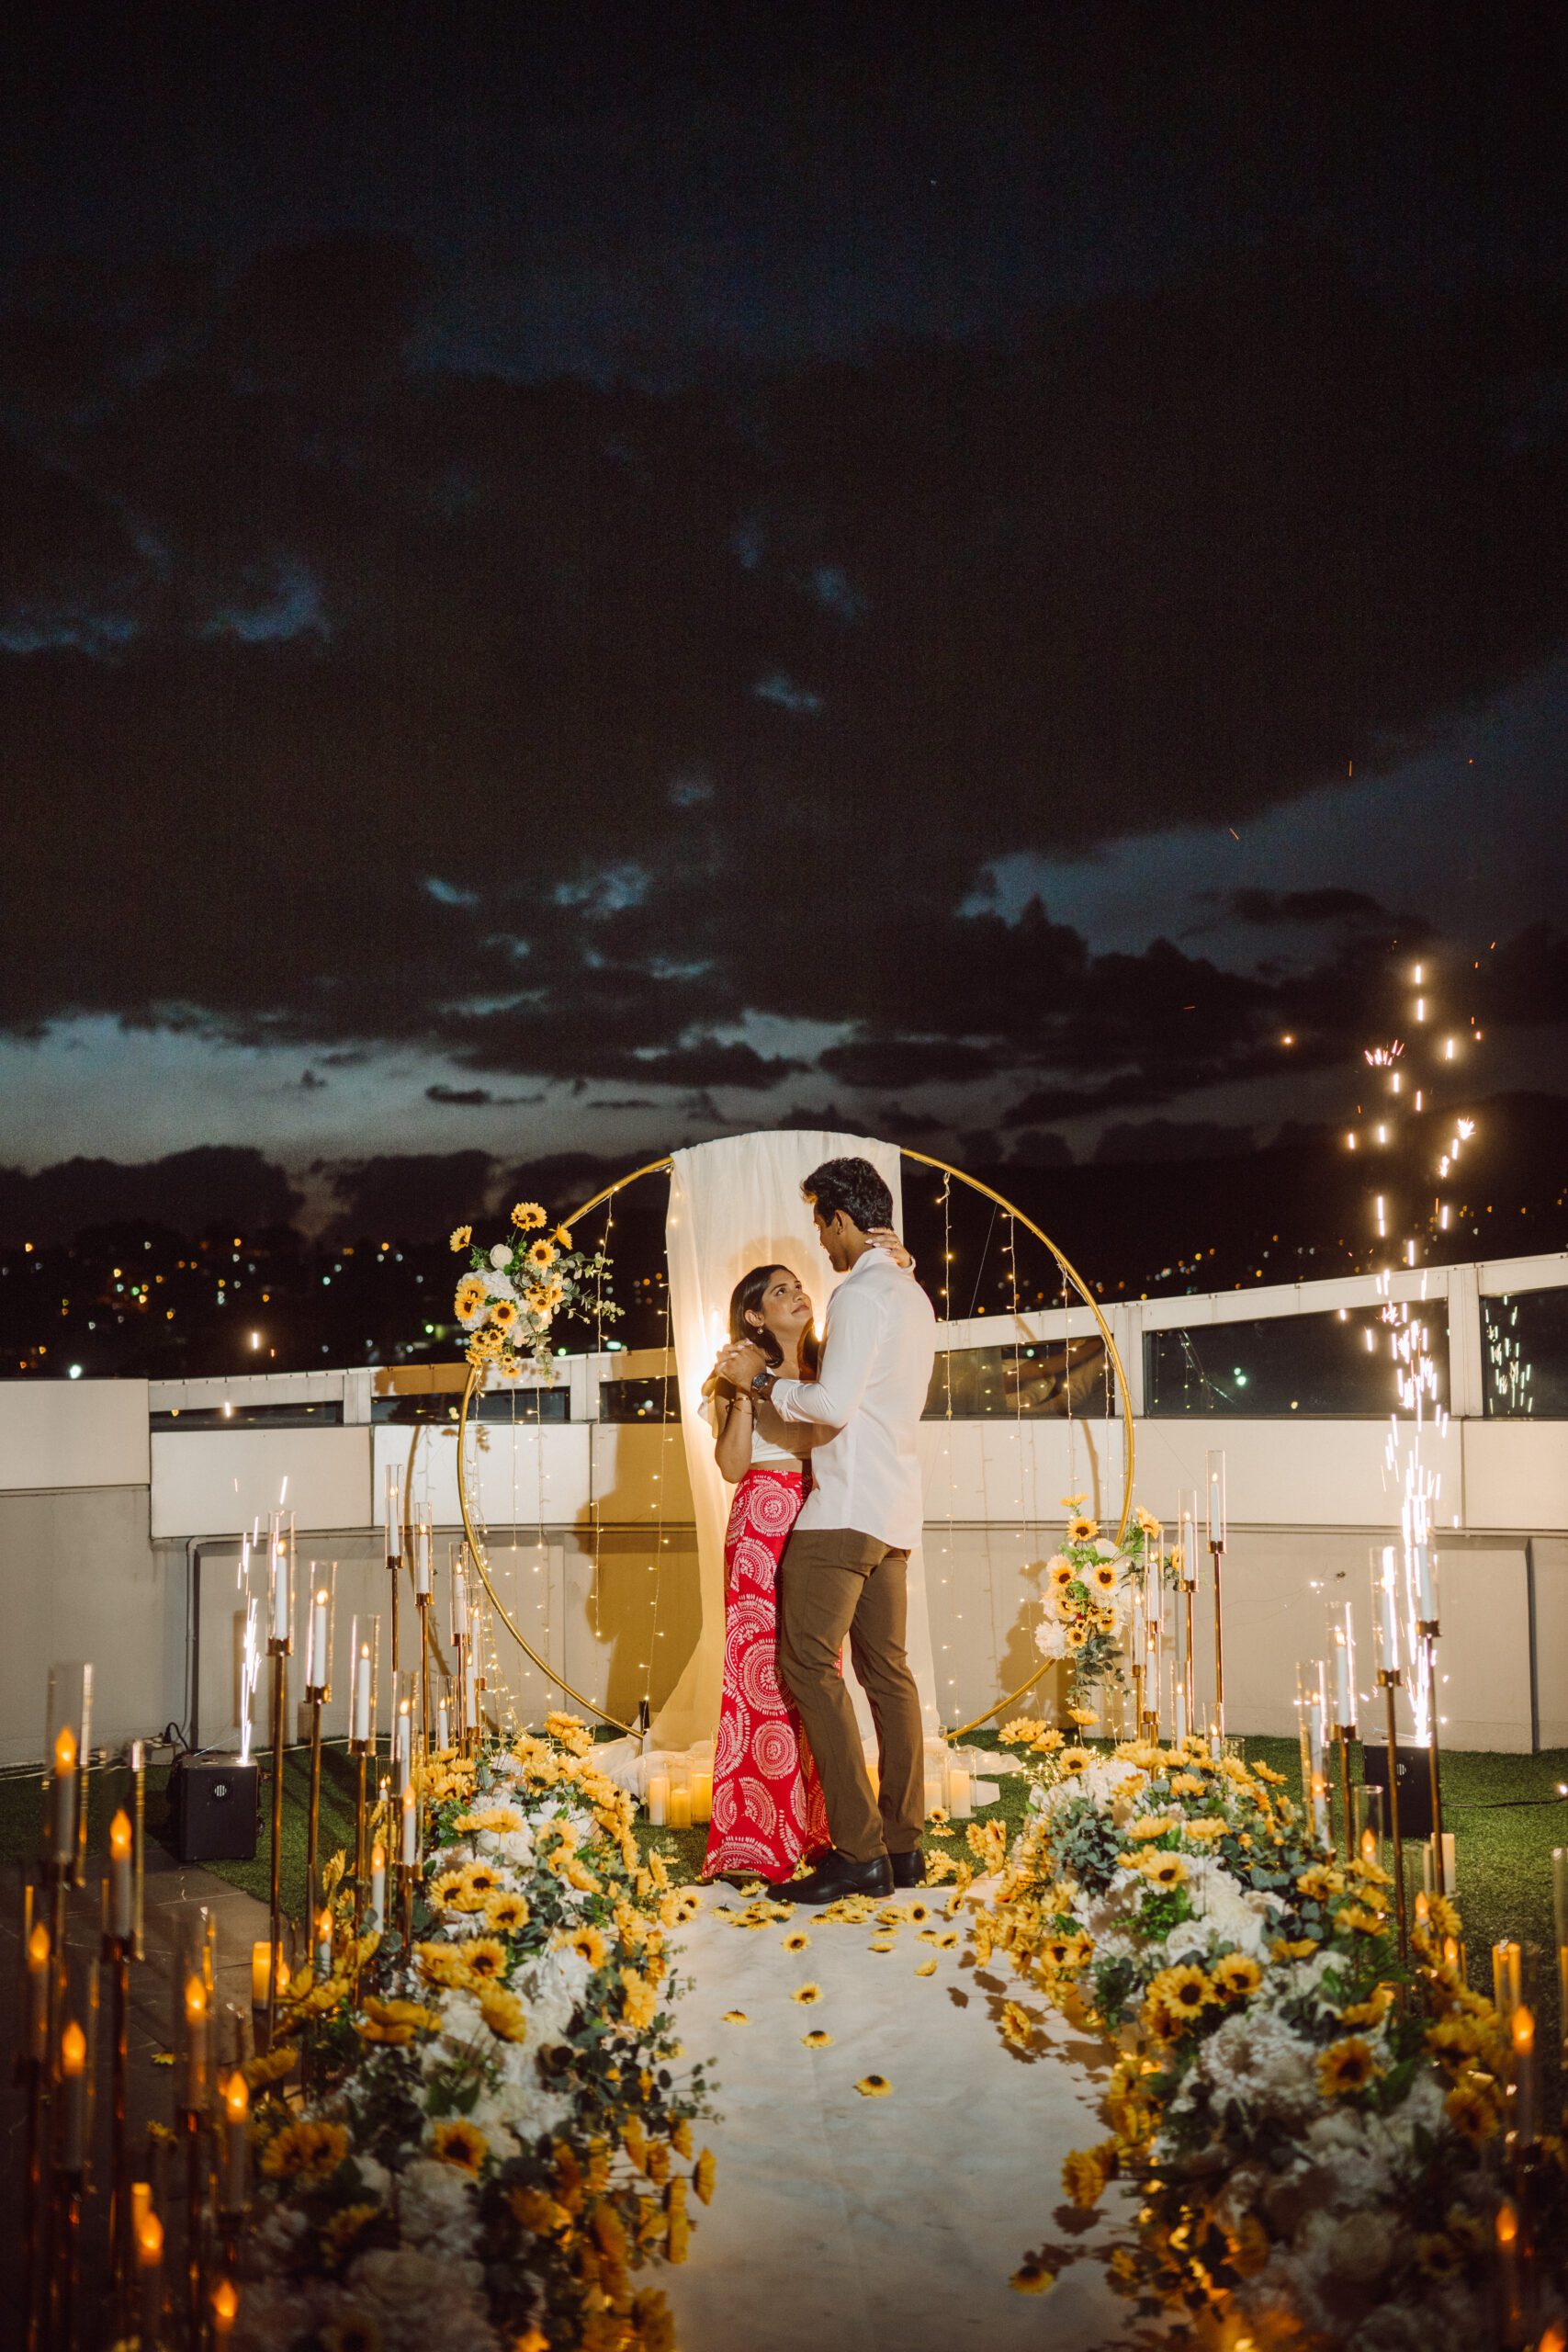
column 735, row 1203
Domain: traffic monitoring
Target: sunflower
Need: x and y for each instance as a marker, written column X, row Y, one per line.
column 1048, row 1743
column 1235, row 1976
column 1071, row 1502
column 484, row 1959
column 1153, row 1825
column 1164, row 1870
column 479, row 1878
column 341, row 2231
column 806, row 1995
column 1082, row 1531
column 927, row 1968
column 460, row 2143
column 507, row 1912
column 1083, row 1716
column 1031, row 2277
column 1075, row 1760
column 1369, row 2012
column 1472, row 2115
column 1016, row 2026
column 1102, row 1576
column 1077, row 1635
column 504, row 2014
column 469, row 1299
column 537, row 1300
column 1063, row 1574
column 873, row 2086
column 305, row 2152
column 818, row 2041
column 528, row 1215
column 735, row 2016
column 542, row 1256
column 1345, row 2067
column 1185, row 1989
column 1206, row 1831
column 352, row 2333
column 1445, row 1920
column 1436, row 2257
column 461, row 1236
column 561, row 1238
column 1319, row 1884
column 588, row 1945
column 797, row 1942
column 1084, row 2175
column 504, row 1314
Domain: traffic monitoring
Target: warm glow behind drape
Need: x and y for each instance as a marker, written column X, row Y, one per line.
column 734, row 1204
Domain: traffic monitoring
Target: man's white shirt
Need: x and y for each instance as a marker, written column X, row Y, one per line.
column 877, row 1352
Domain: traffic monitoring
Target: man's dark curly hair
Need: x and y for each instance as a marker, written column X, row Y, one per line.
column 854, row 1186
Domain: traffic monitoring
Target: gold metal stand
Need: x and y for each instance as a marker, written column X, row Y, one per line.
column 1390, row 1683
column 312, row 1828
column 1343, row 1734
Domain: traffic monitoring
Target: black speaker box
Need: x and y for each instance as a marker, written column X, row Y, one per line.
column 214, row 1808
column 1415, row 1787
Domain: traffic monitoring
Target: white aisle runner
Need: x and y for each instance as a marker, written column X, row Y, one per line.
column 841, row 2223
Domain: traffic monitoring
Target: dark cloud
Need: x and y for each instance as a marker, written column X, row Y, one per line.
column 1305, row 907
column 1039, row 1147
column 477, row 1098
column 1155, row 1140
column 277, row 594
column 405, row 1195
column 185, row 1192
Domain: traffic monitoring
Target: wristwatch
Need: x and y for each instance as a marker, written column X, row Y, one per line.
column 763, row 1384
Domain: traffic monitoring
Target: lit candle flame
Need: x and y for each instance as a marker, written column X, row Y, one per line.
column 38, row 1947
column 237, row 2097
column 65, row 1751
column 196, row 1999
column 119, row 1838
column 150, row 2239
column 73, row 2049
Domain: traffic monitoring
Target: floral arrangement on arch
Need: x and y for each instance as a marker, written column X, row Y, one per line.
column 1310, row 2129
column 1089, row 1598
column 496, row 2140
column 508, row 1300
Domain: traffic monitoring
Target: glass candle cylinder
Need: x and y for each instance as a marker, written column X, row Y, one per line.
column 423, row 1532
column 366, row 1642
column 1386, row 1650
column 319, row 1629
column 280, row 1579
column 1214, row 1498
column 393, row 1514
column 1342, row 1658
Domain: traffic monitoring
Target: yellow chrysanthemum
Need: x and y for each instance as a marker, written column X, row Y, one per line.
column 460, row 2143
column 304, row 2151
column 873, row 2086
column 528, row 1215
column 1345, row 2067
column 461, row 1236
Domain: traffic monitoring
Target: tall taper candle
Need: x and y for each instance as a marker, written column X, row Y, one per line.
column 120, row 1912
column 74, row 2067
column 65, row 1830
column 196, row 2043
column 411, row 1827
column 236, row 2142
column 362, row 1694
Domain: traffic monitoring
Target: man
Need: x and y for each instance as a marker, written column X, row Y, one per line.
column 844, row 1567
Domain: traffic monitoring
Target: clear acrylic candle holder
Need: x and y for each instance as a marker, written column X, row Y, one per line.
column 1387, row 1642
column 1342, row 1665
column 365, row 1689
column 321, row 1602
column 68, row 1729
column 1186, row 1538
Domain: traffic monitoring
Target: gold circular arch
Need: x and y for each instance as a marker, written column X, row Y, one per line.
column 944, row 1168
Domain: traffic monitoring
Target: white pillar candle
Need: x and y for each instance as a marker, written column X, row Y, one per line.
column 120, row 1877
column 681, row 1806
column 378, row 1888
column 658, row 1799
column 460, row 1597
column 196, row 2043
column 402, row 1745
column 442, row 1724
column 150, row 2275
column 316, row 1674
column 236, row 2142
column 411, row 1827
column 933, row 1794
column 261, row 1974
column 1179, row 1702
column 959, row 1793
column 702, row 1797
column 64, row 1815
column 362, row 1694
column 74, row 2067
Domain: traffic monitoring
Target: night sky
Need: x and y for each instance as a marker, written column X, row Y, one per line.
column 578, row 580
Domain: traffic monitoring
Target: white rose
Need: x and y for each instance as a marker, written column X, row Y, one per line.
column 501, row 1256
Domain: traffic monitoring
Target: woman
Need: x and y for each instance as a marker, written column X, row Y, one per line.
column 767, row 1801
column 768, row 1810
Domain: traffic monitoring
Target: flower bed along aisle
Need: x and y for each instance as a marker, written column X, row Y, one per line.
column 494, row 2145
column 1321, row 2134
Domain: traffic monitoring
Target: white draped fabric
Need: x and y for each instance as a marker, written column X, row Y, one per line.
column 734, row 1204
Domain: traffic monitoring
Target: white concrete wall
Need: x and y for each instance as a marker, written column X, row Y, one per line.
column 97, row 1516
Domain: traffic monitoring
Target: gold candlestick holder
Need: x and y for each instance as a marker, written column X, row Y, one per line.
column 421, row 1603
column 1343, row 1734
column 190, row 2126
column 65, row 2248
column 116, row 1955
column 1216, row 1554
column 315, row 1694
column 278, row 1649
column 1389, row 1679
column 1428, row 1629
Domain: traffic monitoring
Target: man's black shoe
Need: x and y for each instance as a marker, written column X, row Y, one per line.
column 909, row 1870
column 839, row 1876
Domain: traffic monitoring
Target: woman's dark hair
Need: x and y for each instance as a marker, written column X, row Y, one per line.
column 854, row 1186
column 747, row 1298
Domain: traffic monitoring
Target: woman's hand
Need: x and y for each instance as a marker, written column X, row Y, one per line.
column 883, row 1237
